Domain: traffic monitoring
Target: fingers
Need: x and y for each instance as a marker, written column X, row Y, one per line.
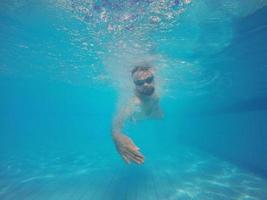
column 130, row 152
column 136, row 157
column 135, row 151
column 137, row 160
column 129, row 156
column 136, row 154
column 126, row 159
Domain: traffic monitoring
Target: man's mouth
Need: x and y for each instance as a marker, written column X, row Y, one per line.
column 148, row 91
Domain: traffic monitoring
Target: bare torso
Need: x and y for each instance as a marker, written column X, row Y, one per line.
column 147, row 108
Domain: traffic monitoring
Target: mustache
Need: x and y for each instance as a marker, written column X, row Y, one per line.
column 148, row 91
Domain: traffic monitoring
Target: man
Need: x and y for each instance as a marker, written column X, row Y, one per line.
column 144, row 104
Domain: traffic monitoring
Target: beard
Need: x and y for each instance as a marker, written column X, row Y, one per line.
column 147, row 91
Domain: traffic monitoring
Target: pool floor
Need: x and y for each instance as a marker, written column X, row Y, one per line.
column 184, row 175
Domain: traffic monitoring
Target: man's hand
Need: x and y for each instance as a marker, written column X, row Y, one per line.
column 127, row 149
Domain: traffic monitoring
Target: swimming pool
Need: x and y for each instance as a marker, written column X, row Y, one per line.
column 65, row 72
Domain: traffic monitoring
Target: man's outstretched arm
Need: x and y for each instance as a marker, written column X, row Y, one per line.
column 124, row 144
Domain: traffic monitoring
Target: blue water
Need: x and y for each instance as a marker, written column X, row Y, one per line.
column 65, row 72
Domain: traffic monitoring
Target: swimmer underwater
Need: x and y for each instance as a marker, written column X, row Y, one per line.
column 144, row 104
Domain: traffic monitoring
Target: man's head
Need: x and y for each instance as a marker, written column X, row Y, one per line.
column 143, row 79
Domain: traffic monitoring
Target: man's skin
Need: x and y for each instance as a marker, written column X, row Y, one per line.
column 147, row 102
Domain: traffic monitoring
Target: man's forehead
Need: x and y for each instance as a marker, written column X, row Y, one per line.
column 142, row 74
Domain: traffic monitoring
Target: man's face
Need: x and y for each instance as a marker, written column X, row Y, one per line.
column 144, row 82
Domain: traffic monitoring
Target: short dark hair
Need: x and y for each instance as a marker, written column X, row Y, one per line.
column 144, row 67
